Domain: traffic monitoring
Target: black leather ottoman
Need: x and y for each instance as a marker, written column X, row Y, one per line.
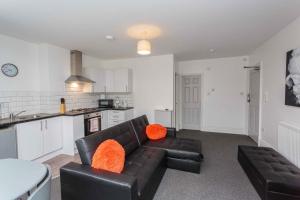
column 272, row 175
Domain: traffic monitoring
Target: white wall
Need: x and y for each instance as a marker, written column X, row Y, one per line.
column 24, row 55
column 42, row 67
column 89, row 61
column 152, row 82
column 224, row 109
column 273, row 56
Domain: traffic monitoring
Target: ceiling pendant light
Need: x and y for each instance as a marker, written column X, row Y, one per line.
column 144, row 47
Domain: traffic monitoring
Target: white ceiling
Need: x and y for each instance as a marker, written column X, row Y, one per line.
column 189, row 27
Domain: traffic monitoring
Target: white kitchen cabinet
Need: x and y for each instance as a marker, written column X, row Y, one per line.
column 97, row 75
column 52, row 134
column 104, row 120
column 38, row 138
column 73, row 129
column 116, row 117
column 118, row 80
column 123, row 80
column 52, row 75
column 109, row 81
column 78, row 127
column 30, row 140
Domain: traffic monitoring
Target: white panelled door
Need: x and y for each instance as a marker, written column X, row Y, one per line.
column 191, row 102
column 253, row 98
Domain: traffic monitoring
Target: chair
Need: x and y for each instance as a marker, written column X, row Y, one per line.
column 43, row 190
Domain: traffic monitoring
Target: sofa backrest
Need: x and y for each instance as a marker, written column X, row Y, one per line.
column 139, row 125
column 123, row 133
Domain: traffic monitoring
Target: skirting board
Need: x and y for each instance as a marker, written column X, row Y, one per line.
column 263, row 143
column 224, row 130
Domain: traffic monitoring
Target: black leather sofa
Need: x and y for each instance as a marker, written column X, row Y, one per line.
column 182, row 154
column 272, row 175
column 145, row 164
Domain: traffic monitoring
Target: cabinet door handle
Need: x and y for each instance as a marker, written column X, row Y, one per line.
column 46, row 124
column 41, row 125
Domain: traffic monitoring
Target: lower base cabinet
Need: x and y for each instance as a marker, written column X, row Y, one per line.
column 30, row 140
column 37, row 138
column 104, row 119
column 52, row 135
column 116, row 117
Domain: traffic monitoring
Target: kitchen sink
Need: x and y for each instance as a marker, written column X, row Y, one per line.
column 34, row 116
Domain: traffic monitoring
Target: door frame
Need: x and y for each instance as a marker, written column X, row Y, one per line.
column 179, row 113
column 260, row 64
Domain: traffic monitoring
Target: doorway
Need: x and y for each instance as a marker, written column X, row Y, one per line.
column 254, row 104
column 191, row 102
column 177, row 101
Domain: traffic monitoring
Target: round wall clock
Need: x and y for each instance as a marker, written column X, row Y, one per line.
column 10, row 70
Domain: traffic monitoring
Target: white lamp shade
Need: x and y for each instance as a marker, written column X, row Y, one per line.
column 144, row 47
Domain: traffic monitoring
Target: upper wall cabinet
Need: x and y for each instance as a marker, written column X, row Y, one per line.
column 97, row 75
column 54, row 64
column 122, row 80
column 110, row 80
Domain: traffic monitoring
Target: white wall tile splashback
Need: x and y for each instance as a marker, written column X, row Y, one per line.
column 49, row 102
column 123, row 98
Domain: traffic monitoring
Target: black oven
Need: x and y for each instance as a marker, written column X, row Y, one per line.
column 92, row 123
column 106, row 103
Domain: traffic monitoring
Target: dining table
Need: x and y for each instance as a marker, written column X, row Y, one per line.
column 18, row 177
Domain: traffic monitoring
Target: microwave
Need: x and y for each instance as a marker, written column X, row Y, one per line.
column 106, row 103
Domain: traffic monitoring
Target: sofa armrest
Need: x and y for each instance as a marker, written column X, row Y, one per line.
column 171, row 132
column 83, row 182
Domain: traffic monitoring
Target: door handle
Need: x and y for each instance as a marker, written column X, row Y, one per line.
column 248, row 98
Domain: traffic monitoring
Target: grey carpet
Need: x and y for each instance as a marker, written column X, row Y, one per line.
column 221, row 176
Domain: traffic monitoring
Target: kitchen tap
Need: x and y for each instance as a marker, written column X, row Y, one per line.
column 13, row 116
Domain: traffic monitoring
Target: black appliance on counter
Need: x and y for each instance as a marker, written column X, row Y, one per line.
column 106, row 103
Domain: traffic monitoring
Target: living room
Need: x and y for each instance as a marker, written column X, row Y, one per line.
column 216, row 83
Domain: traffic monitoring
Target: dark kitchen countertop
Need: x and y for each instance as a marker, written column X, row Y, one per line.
column 75, row 113
column 6, row 122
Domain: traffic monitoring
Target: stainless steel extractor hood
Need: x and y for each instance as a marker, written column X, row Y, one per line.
column 76, row 69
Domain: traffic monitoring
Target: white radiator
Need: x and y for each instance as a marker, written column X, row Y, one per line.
column 289, row 142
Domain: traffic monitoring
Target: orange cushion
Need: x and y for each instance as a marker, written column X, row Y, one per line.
column 110, row 156
column 156, row 131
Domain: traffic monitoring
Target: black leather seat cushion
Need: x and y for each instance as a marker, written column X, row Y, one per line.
column 274, row 171
column 142, row 164
column 178, row 148
column 123, row 133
